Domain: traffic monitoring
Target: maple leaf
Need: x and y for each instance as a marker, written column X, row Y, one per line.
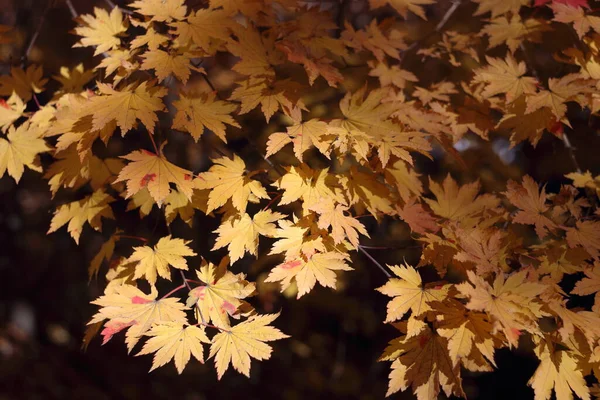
column 364, row 190
column 241, row 234
column 90, row 209
column 127, row 105
column 154, row 172
column 221, row 295
column 532, row 205
column 293, row 243
column 244, row 341
column 160, row 10
column 511, row 32
column 156, row 261
column 587, row 235
column 21, row 150
column 499, row 7
column 525, row 126
column 458, row 203
column 319, row 267
column 255, row 50
column 484, row 248
column 10, row 111
column 469, row 334
column 416, row 217
column 558, row 370
column 590, row 285
column 408, row 293
column 104, row 254
column 393, row 75
column 505, row 76
column 404, row 6
column 423, row 362
column 203, row 25
column 172, row 340
column 560, row 92
column 570, row 14
column 73, row 80
column 126, row 306
column 511, row 302
column 228, row 179
column 101, row 30
column 304, row 183
column 314, row 65
column 166, row 64
column 342, row 226
column 23, row 83
column 303, row 136
column 195, row 114
column 271, row 95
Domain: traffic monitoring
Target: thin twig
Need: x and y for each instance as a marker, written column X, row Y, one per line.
column 447, row 16
column 36, row 34
column 571, row 151
column 173, row 291
column 72, row 9
column 370, row 257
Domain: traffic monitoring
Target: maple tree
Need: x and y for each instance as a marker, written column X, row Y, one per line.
column 345, row 117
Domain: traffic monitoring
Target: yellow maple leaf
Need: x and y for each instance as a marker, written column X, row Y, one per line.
column 510, row 302
column 202, row 26
column 221, row 295
column 319, row 267
column 587, row 235
column 90, row 209
column 511, row 32
column 240, row 235
column 532, row 204
column 560, row 91
column 166, row 64
column 423, row 363
column 271, row 95
column 469, row 334
column 195, row 114
column 524, row 126
column 292, row 241
column 582, row 23
column 590, row 285
column 101, row 30
column 153, row 262
column 499, row 7
column 228, row 179
column 404, row 6
column 256, row 52
column 244, row 341
column 459, row 203
column 342, row 226
column 154, row 172
column 505, row 77
column 127, row 105
column 303, row 136
column 558, row 370
column 10, row 111
column 172, row 340
column 24, row 83
column 393, row 75
column 21, row 150
column 161, row 10
column 409, row 294
column 304, row 183
column 126, row 306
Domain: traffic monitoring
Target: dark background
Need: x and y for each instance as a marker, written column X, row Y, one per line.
column 336, row 337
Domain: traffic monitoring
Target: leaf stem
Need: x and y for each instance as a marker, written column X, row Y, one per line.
column 150, row 134
column 273, row 200
column 134, row 237
column 173, row 291
column 370, row 257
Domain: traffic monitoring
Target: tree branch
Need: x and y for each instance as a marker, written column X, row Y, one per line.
column 370, row 257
